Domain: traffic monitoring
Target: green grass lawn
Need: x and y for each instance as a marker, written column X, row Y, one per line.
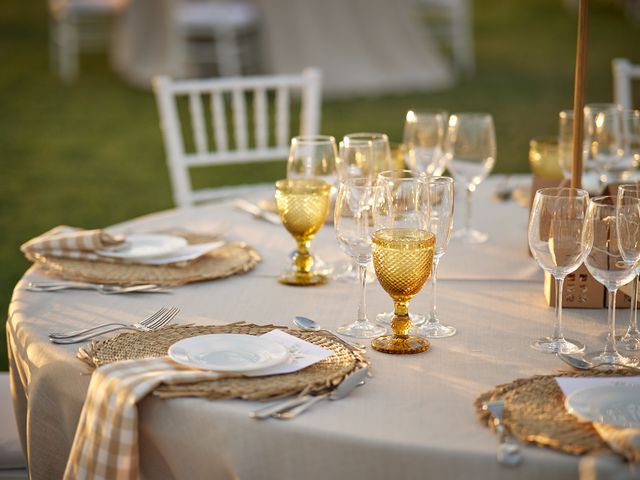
column 91, row 154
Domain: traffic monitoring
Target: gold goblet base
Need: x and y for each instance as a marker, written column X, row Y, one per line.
column 302, row 279
column 400, row 344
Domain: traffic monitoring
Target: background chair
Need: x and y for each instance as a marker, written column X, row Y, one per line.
column 78, row 26
column 232, row 100
column 12, row 464
column 624, row 72
column 220, row 34
column 450, row 21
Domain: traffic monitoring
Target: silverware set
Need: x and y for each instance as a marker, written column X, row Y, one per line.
column 583, row 364
column 508, row 452
column 155, row 321
column 104, row 289
column 292, row 407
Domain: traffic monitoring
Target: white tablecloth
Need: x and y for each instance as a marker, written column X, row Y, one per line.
column 413, row 419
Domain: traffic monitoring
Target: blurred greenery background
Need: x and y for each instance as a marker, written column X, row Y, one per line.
column 90, row 154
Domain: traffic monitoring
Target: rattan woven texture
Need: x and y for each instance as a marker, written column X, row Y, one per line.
column 534, row 412
column 316, row 378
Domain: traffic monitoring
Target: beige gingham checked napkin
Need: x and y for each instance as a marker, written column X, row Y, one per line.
column 70, row 242
column 106, row 441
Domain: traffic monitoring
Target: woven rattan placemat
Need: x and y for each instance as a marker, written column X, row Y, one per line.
column 534, row 412
column 319, row 377
column 230, row 259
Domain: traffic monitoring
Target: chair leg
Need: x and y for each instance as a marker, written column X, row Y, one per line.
column 67, row 49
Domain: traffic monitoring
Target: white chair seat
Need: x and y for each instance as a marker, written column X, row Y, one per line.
column 12, row 464
column 207, row 15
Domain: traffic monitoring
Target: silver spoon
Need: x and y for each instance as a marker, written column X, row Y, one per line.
column 582, row 364
column 309, row 325
column 508, row 453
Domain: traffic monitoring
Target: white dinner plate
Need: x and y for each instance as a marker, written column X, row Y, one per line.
column 228, row 352
column 617, row 405
column 141, row 246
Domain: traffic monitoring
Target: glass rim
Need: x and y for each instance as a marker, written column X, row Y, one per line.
column 601, row 106
column 408, row 174
column 435, row 179
column 427, row 111
column 555, row 192
column 371, row 136
column 600, row 200
column 313, row 139
column 358, row 182
column 629, row 186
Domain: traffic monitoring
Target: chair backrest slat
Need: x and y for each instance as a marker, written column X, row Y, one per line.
column 197, row 122
column 261, row 118
column 623, row 74
column 282, row 116
column 219, row 120
column 266, row 139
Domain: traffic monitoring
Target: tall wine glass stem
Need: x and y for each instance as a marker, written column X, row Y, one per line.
column 362, row 277
column 433, row 317
column 610, row 345
column 633, row 318
column 557, row 328
column 467, row 219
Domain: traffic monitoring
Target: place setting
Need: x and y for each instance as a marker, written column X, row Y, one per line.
column 113, row 263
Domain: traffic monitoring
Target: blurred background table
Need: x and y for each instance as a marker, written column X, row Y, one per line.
column 414, row 419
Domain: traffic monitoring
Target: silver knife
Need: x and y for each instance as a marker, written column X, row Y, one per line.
column 266, row 412
column 256, row 211
column 345, row 388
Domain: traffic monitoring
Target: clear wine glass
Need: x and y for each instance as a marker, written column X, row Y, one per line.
column 565, row 145
column 394, row 178
column 556, row 228
column 423, row 139
column 631, row 339
column 470, row 155
column 604, row 130
column 379, row 160
column 313, row 157
column 437, row 194
column 606, row 262
column 353, row 224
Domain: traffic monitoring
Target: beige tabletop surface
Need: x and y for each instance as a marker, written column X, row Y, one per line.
column 413, row 419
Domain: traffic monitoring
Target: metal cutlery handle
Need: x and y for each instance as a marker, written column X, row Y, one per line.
column 294, row 412
column 88, row 336
column 83, row 331
column 266, row 412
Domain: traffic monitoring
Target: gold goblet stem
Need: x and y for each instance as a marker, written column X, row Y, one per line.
column 401, row 323
column 304, row 259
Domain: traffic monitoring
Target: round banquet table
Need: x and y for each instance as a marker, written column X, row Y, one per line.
column 413, row 419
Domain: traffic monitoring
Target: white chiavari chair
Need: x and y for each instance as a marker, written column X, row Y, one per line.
column 624, row 72
column 78, row 26
column 224, row 134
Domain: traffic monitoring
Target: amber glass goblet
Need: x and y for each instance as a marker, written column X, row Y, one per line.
column 402, row 258
column 303, row 205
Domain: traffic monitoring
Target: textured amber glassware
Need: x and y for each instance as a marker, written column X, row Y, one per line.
column 403, row 258
column 303, row 205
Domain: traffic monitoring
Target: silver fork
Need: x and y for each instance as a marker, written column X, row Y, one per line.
column 154, row 322
column 106, row 289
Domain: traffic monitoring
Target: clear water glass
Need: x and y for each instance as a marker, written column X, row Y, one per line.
column 627, row 194
column 470, row 152
column 604, row 131
column 423, row 139
column 437, row 196
column 556, row 230
column 605, row 261
column 353, row 223
column 378, row 161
